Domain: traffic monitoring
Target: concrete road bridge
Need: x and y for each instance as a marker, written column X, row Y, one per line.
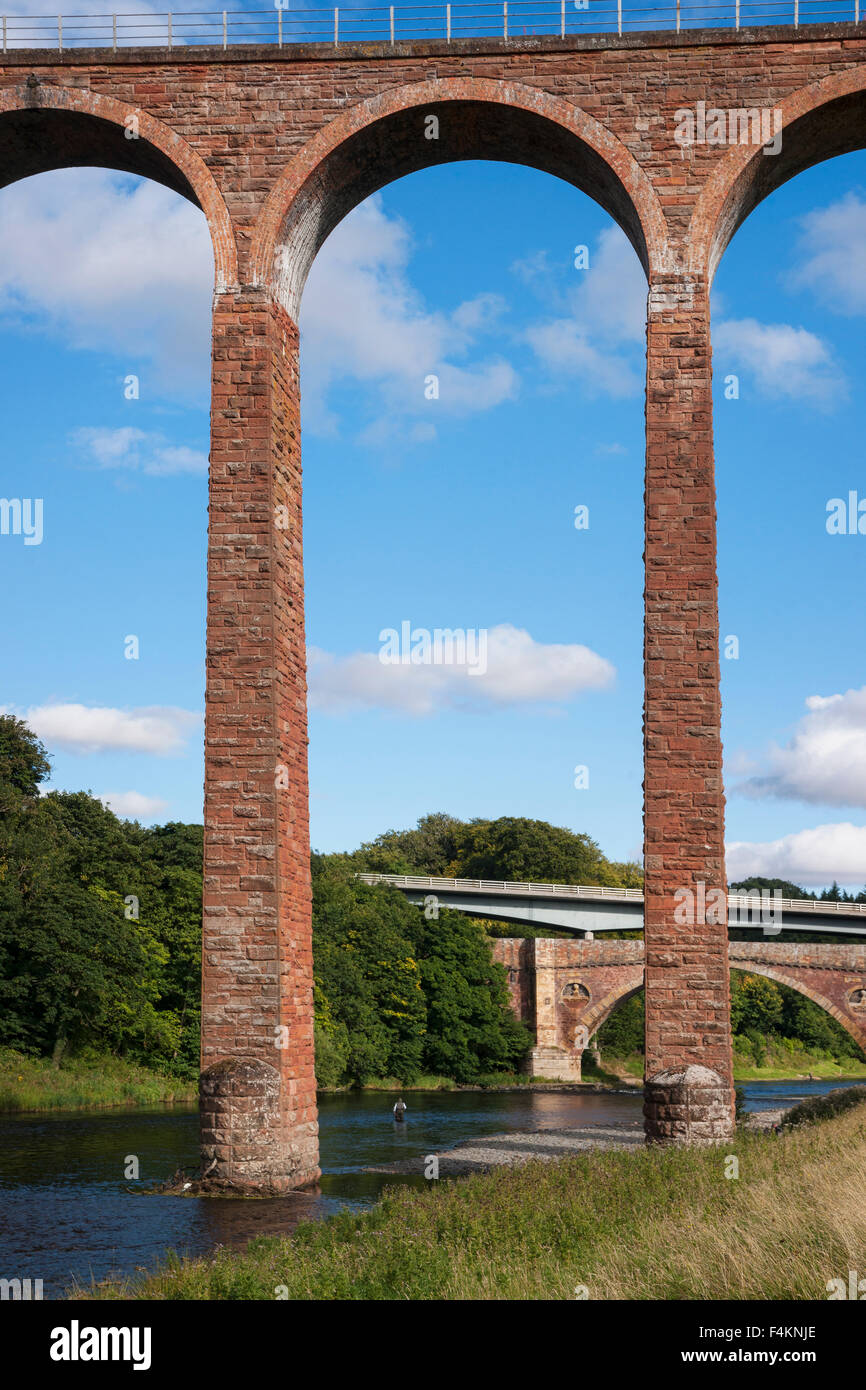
column 586, row 909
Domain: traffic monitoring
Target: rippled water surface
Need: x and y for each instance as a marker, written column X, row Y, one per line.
column 67, row 1213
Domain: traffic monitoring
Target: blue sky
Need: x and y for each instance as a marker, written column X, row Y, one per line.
column 451, row 512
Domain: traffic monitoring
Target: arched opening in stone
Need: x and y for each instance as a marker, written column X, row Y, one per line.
column 367, row 547
column 767, row 1016
column 440, row 122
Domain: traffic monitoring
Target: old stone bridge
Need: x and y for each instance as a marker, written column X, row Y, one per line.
column 276, row 145
column 565, row 990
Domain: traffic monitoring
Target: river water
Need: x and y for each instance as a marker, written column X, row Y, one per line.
column 68, row 1214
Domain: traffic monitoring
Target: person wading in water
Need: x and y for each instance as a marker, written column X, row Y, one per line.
column 400, row 1109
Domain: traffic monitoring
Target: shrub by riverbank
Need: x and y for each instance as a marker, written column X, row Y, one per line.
column 646, row 1224
column 32, row 1083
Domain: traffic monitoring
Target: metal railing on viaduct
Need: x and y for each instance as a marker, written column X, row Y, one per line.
column 589, row 908
column 283, row 24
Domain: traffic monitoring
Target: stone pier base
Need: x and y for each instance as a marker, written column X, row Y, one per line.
column 249, row 1143
column 555, row 1063
column 690, row 1105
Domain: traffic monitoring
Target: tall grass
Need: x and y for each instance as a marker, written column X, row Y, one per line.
column 32, row 1083
column 645, row 1224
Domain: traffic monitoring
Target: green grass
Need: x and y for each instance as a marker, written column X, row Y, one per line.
column 31, row 1083
column 613, row 1070
column 491, row 1080
column 646, row 1224
column 783, row 1063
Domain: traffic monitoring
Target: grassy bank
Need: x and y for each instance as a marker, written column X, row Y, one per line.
column 30, row 1083
column 646, row 1224
column 781, row 1063
column 494, row 1081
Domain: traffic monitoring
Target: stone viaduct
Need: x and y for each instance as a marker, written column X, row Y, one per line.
column 276, row 146
column 565, row 990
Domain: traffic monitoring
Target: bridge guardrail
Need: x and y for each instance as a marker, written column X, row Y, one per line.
column 512, row 20
column 483, row 885
column 592, row 891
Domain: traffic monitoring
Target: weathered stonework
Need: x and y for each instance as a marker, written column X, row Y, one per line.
column 275, row 146
column 566, row 989
column 687, row 1106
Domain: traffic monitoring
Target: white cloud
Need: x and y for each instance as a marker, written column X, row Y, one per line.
column 564, row 347
column 157, row 729
column 606, row 315
column 112, row 265
column 519, row 671
column 812, row 858
column 611, row 295
column 362, row 319
column 134, row 805
column 145, row 451
column 785, row 362
column 825, row 760
column 832, row 255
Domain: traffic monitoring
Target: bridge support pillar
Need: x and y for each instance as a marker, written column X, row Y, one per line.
column 258, row 1097
column 688, row 1106
column 687, row 985
column 549, row 1058
column 555, row 1063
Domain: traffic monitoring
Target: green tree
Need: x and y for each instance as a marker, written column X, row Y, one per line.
column 24, row 763
column 756, row 1004
column 623, row 1032
column 528, row 851
column 365, row 967
column 471, row 1029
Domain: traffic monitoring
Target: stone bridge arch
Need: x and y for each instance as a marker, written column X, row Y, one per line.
column 383, row 138
column 824, row 119
column 567, row 990
column 44, row 127
column 810, row 991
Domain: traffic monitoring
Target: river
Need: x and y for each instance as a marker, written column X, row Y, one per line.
column 68, row 1214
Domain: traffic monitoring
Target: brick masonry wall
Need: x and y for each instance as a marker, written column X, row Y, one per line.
column 276, row 147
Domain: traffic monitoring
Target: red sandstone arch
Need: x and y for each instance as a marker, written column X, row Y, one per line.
column 601, row 1011
column 825, row 119
column 793, row 981
column 382, row 139
column 44, row 127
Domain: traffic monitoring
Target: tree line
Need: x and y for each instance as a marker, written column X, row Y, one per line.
column 100, row 940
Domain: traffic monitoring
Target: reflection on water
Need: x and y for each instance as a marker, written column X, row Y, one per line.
column 67, row 1212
